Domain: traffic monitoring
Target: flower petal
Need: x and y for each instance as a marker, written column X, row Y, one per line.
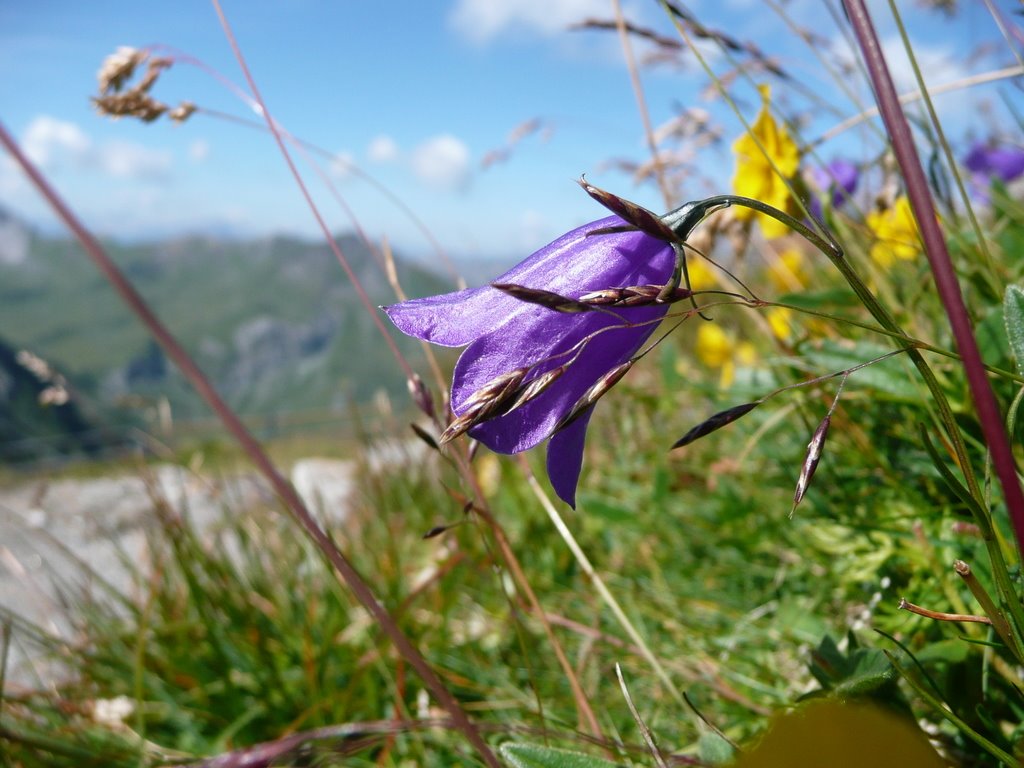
column 451, row 319
column 565, row 458
column 520, row 344
column 505, row 334
column 533, row 335
column 456, row 319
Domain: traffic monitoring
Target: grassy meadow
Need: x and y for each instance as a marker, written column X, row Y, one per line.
column 690, row 596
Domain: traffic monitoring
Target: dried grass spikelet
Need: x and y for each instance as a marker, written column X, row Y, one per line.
column 490, row 400
column 119, row 67
column 595, row 393
column 116, row 100
column 131, row 103
column 182, row 112
column 634, row 296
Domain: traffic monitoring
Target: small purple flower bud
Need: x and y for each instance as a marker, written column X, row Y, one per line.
column 839, row 178
column 1003, row 163
column 987, row 162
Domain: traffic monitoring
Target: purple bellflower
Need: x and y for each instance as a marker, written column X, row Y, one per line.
column 548, row 341
column 987, row 162
column 839, row 178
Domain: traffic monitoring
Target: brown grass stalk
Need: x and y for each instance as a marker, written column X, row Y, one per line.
column 250, row 446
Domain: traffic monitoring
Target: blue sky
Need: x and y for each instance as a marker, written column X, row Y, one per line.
column 417, row 94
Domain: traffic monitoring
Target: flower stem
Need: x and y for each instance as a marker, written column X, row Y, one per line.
column 946, row 284
column 687, row 218
column 606, row 596
column 284, row 490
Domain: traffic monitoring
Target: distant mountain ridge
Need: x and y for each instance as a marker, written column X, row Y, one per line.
column 273, row 321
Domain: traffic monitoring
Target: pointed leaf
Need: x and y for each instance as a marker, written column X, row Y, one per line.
column 537, row 756
column 1013, row 310
column 714, row 750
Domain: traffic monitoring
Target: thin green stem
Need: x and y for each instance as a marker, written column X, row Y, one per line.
column 686, row 220
column 961, row 725
column 989, row 417
column 602, row 589
column 992, row 272
column 233, row 424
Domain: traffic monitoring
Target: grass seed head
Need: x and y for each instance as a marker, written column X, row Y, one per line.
column 641, row 218
column 118, row 68
column 634, row 296
column 595, row 393
column 543, row 298
column 719, row 420
column 814, row 449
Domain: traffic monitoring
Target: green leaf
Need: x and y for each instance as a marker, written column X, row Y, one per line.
column 536, row 756
column 1013, row 309
column 597, row 507
column 820, row 300
column 991, row 334
column 888, row 376
column 871, row 670
column 714, row 750
column 949, row 651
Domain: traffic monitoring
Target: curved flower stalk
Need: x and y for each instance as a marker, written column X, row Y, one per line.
column 560, row 330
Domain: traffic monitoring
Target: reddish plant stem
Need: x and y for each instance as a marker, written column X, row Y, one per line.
column 906, row 605
column 920, row 197
column 252, row 448
column 364, row 299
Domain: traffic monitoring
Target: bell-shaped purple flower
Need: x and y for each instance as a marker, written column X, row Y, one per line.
column 839, row 178
column 504, row 335
column 987, row 162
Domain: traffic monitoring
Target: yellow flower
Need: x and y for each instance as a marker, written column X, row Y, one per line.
column 779, row 321
column 700, row 274
column 714, row 347
column 767, row 144
column 895, row 231
column 718, row 349
column 787, row 271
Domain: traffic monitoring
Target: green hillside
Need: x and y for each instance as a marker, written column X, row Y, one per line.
column 273, row 321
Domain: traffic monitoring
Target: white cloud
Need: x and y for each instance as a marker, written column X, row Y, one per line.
column 938, row 64
column 482, row 20
column 442, row 162
column 382, row 149
column 199, row 150
column 57, row 144
column 124, row 160
column 48, row 142
column 341, row 165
